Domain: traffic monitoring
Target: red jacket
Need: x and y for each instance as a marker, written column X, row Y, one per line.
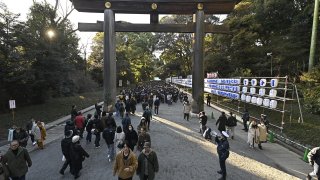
column 79, row 121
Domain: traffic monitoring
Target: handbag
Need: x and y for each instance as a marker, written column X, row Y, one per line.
column 63, row 158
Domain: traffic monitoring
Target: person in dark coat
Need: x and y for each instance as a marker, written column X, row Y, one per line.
column 314, row 161
column 110, row 122
column 65, row 148
column 98, row 109
column 133, row 104
column 108, row 135
column 126, row 121
column 148, row 164
column 98, row 128
column 131, row 137
column 89, row 127
column 74, row 112
column 223, row 153
column 156, row 106
column 245, row 118
column 77, row 155
column 17, row 161
column 142, row 138
column 21, row 136
column 203, row 121
column 221, row 122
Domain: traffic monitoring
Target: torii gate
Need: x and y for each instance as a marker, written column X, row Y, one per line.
column 154, row 8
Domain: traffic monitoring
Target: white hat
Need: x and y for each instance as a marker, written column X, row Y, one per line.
column 75, row 138
column 225, row 134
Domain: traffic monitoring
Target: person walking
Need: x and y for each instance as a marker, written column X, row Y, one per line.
column 79, row 122
column 109, row 136
column 141, row 125
column 245, row 118
column 203, row 121
column 126, row 121
column 77, row 156
column 40, row 134
column 125, row 164
column 98, row 109
column 110, row 122
column 253, row 133
column 221, row 122
column 231, row 124
column 17, row 160
column 208, row 99
column 29, row 127
column 74, row 112
column 223, row 153
column 65, row 148
column 4, row 173
column 98, row 128
column 142, row 138
column 21, row 136
column 89, row 127
column 133, row 104
column 186, row 110
column 262, row 134
column 148, row 116
column 156, row 106
column 119, row 139
column 314, row 161
column 131, row 137
column 148, row 164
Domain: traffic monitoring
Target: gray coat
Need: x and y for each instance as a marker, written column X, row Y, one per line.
column 153, row 165
column 17, row 164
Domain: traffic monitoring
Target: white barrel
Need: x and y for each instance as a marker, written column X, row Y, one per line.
column 243, row 97
column 266, row 102
column 254, row 100
column 246, row 82
column 262, row 92
column 273, row 93
column 244, row 89
column 252, row 90
column 263, row 82
column 254, row 82
column 248, row 99
column 273, row 104
column 274, row 82
column 259, row 101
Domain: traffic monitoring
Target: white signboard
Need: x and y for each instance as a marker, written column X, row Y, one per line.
column 12, row 104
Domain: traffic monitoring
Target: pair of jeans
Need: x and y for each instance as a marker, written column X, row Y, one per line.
column 111, row 152
column 97, row 140
column 186, row 116
column 89, row 136
column 223, row 167
column 156, row 109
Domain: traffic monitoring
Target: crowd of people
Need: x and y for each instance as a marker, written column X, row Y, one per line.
column 129, row 149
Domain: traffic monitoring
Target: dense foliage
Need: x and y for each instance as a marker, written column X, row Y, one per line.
column 33, row 66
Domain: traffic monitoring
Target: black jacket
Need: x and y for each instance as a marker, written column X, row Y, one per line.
column 223, row 148
column 108, row 135
column 222, row 123
column 65, row 147
column 132, row 137
column 77, row 155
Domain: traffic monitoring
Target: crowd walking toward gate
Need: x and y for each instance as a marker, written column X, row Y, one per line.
column 129, row 148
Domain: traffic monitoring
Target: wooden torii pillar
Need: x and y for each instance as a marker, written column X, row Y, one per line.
column 154, row 8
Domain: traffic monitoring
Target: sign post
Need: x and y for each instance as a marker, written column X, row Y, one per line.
column 12, row 106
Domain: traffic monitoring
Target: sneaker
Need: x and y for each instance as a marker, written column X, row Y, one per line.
column 219, row 172
column 309, row 177
column 97, row 147
column 34, row 143
column 108, row 156
column 109, row 159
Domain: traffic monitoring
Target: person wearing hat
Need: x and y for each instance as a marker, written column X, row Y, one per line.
column 77, row 156
column 223, row 153
column 125, row 164
column 147, row 163
column 65, row 148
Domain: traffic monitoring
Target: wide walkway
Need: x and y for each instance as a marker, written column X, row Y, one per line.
column 182, row 153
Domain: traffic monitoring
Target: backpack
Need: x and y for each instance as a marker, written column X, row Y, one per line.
column 108, row 135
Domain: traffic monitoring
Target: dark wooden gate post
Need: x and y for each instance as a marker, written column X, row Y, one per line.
column 197, row 70
column 109, row 59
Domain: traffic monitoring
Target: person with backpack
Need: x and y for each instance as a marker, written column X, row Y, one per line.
column 148, row 116
column 221, row 122
column 223, row 153
column 314, row 161
column 231, row 124
column 108, row 135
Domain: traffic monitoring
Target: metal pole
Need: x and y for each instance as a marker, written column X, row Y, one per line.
column 314, row 35
column 271, row 66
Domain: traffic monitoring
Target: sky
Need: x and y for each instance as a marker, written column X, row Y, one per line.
column 22, row 7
